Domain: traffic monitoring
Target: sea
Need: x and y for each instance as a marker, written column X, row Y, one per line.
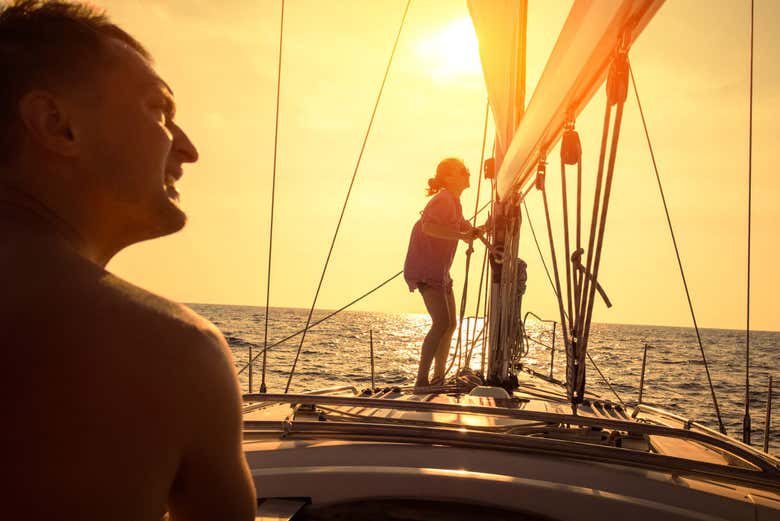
column 337, row 351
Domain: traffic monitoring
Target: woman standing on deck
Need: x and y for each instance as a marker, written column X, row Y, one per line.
column 429, row 257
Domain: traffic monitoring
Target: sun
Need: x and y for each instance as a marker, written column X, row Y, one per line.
column 452, row 51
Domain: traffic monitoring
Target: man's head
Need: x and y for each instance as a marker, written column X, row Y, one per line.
column 86, row 125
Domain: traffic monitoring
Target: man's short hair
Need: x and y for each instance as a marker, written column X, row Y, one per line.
column 48, row 44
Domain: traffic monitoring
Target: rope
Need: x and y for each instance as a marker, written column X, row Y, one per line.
column 539, row 249
column 677, row 252
column 464, row 294
column 476, row 310
column 567, row 247
column 323, row 319
column 578, row 275
column 559, row 295
column 600, row 241
column 746, row 420
column 273, row 199
column 485, row 324
column 346, row 200
column 585, row 281
column 617, row 89
column 592, row 361
column 481, row 162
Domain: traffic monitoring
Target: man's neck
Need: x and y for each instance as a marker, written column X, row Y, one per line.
column 23, row 211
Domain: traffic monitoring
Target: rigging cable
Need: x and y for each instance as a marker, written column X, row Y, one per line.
column 346, row 200
column 476, row 311
column 485, row 325
column 323, row 319
column 336, row 312
column 592, row 361
column 273, row 199
column 746, row 428
column 570, row 146
column 464, row 293
column 539, row 249
column 676, row 251
column 617, row 92
column 540, row 183
column 575, row 367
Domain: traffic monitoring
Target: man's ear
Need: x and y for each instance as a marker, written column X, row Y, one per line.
column 47, row 123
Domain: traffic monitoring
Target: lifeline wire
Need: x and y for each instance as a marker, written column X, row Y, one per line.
column 273, row 199
column 676, row 250
column 346, row 200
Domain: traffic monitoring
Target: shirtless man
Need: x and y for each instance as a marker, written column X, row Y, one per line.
column 116, row 403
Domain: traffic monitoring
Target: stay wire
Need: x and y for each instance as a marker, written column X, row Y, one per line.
column 567, row 245
column 323, row 319
column 564, row 327
column 604, row 378
column 346, row 200
column 539, row 249
column 591, row 297
column 464, row 294
column 579, row 326
column 476, row 311
column 676, row 250
column 746, row 427
column 273, row 200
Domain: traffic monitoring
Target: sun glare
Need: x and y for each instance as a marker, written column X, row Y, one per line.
column 452, row 51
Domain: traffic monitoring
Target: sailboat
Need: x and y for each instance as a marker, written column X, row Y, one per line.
column 511, row 443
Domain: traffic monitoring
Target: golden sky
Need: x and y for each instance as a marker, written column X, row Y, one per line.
column 220, row 58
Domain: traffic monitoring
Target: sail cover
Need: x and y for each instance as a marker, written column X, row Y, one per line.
column 576, row 68
column 500, row 27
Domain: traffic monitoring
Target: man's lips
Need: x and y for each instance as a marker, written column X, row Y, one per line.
column 174, row 173
column 171, row 176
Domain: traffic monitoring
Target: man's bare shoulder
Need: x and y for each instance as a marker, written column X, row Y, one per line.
column 65, row 296
column 176, row 327
column 144, row 305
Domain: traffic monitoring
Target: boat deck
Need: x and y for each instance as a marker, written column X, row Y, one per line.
column 404, row 444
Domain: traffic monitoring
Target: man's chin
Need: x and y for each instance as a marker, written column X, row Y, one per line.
column 175, row 219
column 168, row 220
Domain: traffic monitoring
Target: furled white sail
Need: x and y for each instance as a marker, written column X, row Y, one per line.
column 575, row 69
column 500, row 27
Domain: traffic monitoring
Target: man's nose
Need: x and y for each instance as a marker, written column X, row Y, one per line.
column 182, row 146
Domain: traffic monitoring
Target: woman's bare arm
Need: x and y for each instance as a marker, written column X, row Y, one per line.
column 442, row 231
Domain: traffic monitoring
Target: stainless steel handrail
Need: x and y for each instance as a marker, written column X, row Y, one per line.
column 527, row 338
column 690, row 424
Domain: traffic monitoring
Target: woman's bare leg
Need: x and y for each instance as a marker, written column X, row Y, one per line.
column 440, row 358
column 436, row 302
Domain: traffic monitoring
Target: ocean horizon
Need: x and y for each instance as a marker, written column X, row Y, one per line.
column 337, row 352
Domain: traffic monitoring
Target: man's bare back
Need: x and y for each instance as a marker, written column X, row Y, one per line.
column 113, row 394
column 117, row 403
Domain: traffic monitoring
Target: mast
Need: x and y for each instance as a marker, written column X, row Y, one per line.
column 576, row 68
column 501, row 28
